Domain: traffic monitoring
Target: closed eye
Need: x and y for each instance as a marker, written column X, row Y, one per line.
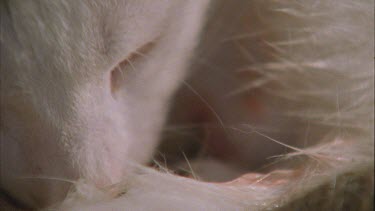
column 118, row 73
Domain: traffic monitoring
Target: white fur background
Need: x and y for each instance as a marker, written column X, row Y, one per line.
column 311, row 64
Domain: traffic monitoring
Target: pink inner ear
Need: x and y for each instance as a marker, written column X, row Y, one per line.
column 116, row 78
column 118, row 74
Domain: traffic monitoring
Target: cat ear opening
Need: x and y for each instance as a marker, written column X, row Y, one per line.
column 118, row 74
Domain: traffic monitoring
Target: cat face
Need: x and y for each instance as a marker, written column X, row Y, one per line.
column 85, row 88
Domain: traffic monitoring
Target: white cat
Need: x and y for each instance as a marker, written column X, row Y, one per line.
column 86, row 85
column 85, row 88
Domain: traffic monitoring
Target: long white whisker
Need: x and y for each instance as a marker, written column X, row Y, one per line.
column 208, row 105
column 49, row 178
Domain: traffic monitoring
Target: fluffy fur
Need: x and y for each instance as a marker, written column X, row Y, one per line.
column 62, row 116
column 313, row 65
column 314, row 70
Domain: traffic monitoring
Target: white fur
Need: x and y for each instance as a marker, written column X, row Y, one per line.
column 60, row 120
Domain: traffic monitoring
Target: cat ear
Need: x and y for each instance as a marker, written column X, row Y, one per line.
column 119, row 72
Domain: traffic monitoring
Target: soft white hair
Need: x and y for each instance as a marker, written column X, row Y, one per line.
column 322, row 64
